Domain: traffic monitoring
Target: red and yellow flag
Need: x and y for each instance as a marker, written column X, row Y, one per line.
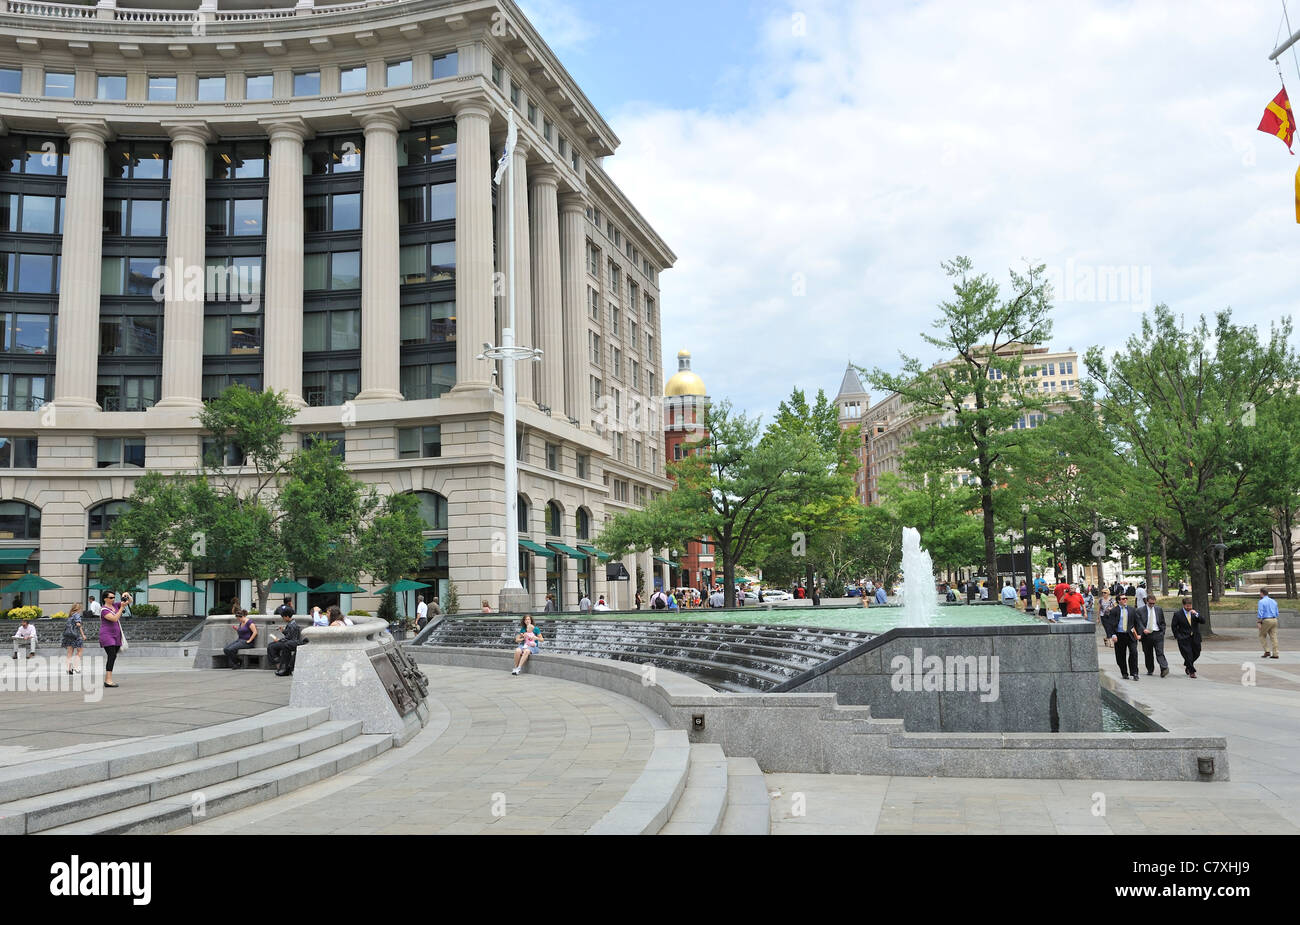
column 1278, row 119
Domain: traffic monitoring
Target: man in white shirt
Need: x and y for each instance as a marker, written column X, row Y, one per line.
column 1141, row 596
column 1008, row 595
column 95, row 606
column 584, row 605
column 26, row 635
column 421, row 612
column 717, row 598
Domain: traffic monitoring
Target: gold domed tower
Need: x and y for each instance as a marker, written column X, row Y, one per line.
column 685, row 399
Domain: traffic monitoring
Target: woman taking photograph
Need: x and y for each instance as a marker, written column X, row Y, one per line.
column 74, row 638
column 528, row 637
column 110, row 635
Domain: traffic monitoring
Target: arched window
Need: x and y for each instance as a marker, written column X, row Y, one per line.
column 103, row 516
column 583, row 523
column 554, row 519
column 19, row 521
column 523, row 514
column 433, row 510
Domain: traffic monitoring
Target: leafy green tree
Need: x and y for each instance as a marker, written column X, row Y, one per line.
column 725, row 485
column 392, row 546
column 1179, row 403
column 1274, row 473
column 940, row 511
column 970, row 405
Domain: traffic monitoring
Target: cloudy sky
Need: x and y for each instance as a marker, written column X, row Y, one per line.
column 812, row 164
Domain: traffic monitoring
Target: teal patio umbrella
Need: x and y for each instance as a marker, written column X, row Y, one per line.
column 30, row 582
column 285, row 586
column 175, row 584
column 405, row 584
column 337, row 587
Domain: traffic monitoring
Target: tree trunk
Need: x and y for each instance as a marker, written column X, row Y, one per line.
column 1288, row 551
column 728, row 573
column 1200, row 578
column 808, row 576
column 263, row 591
column 1164, row 566
column 1218, row 561
column 1146, row 542
column 1101, row 575
column 990, row 547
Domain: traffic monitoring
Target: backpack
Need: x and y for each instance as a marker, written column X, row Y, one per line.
column 658, row 601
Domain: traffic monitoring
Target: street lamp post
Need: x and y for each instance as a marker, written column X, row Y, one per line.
column 1029, row 563
column 512, row 598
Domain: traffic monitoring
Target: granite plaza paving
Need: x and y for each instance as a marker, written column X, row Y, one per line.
column 524, row 755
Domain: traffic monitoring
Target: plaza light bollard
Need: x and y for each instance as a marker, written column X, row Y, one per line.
column 361, row 673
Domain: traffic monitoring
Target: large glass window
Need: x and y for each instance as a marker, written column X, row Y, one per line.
column 330, row 388
column 233, row 278
column 130, row 275
column 352, row 79
column 137, row 160
column 60, row 83
column 239, row 160
column 428, row 144
column 338, row 212
column 258, row 87
column 428, row 323
column 30, row 214
column 433, row 510
column 130, row 336
column 119, row 451
column 419, row 442
column 127, row 393
column 103, row 516
column 427, row 380
column 336, row 154
column 232, row 335
column 445, row 65
column 18, row 452
column 22, row 392
column 337, row 440
column 399, row 73
column 306, row 83
column 331, row 331
column 11, row 80
column 35, row 273
column 27, row 333
column 212, row 89
column 19, row 521
column 162, row 89
column 111, row 87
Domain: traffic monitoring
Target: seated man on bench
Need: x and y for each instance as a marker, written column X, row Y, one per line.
column 246, row 630
column 25, row 636
column 283, row 652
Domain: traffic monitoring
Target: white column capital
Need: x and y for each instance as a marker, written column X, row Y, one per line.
column 96, row 130
column 573, row 202
column 188, row 131
column 381, row 119
column 471, row 107
column 543, row 175
column 288, row 128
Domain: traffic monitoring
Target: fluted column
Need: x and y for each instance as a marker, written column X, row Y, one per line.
column 573, row 275
column 474, row 319
column 182, row 356
column 521, row 274
column 547, row 299
column 76, row 367
column 381, row 285
column 283, row 280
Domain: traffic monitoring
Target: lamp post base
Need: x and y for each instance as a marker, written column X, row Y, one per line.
column 514, row 600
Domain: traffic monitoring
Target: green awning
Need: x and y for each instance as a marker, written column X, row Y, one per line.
column 592, row 550
column 668, row 562
column 15, row 556
column 533, row 547
column 431, row 544
column 91, row 557
column 567, row 550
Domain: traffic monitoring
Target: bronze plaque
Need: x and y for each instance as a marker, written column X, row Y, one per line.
column 405, row 683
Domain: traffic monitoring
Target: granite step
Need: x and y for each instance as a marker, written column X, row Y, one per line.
column 182, row 779
column 103, row 763
column 649, row 802
column 703, row 802
column 748, row 809
column 183, row 809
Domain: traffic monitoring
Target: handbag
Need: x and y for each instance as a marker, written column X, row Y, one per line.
column 123, row 632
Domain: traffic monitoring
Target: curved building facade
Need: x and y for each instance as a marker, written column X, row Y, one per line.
column 299, row 197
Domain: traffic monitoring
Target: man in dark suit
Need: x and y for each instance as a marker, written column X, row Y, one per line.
column 1187, row 631
column 1151, row 630
column 1121, row 628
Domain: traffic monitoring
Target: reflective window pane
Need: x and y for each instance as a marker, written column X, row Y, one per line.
column 313, row 331
column 258, row 87
column 216, row 216
column 248, row 217
column 59, row 84
column 306, row 84
column 38, row 214
column 345, row 270
column 31, row 334
column 11, row 80
column 162, row 89
column 399, row 73
column 114, row 215
column 347, row 211
column 345, row 330
column 352, row 79
column 214, row 335
column 442, row 201
column 140, row 276
column 212, row 89
column 146, row 218
column 250, row 160
column 35, row 273
column 445, row 65
column 112, row 87
column 314, row 271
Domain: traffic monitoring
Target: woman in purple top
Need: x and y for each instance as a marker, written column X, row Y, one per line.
column 110, row 635
column 245, row 633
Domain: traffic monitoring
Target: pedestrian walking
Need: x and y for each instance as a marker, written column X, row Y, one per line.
column 74, row 638
column 1120, row 626
column 1151, row 630
column 421, row 611
column 550, row 604
column 1187, row 630
column 1267, row 620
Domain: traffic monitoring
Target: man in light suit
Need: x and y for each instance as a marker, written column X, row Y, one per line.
column 1151, row 630
column 1187, row 631
column 1121, row 628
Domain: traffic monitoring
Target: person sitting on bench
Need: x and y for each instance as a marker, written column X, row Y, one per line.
column 26, row 634
column 246, row 630
column 284, row 652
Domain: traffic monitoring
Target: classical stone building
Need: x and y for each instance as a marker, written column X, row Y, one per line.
column 317, row 183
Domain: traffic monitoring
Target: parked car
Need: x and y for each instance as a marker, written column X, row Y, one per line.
column 852, row 591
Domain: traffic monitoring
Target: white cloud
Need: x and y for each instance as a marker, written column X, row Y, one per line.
column 890, row 138
column 561, row 26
